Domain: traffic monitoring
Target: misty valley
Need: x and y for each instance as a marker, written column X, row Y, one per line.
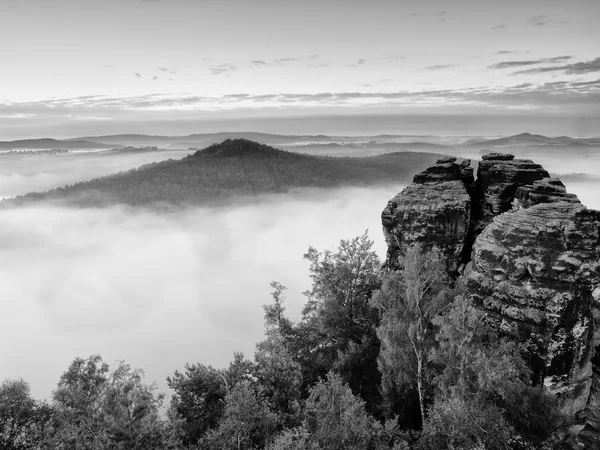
column 236, row 290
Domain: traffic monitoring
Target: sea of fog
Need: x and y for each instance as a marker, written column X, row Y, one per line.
column 161, row 290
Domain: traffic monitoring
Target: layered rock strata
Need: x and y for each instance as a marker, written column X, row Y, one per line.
column 536, row 272
column 531, row 258
column 434, row 210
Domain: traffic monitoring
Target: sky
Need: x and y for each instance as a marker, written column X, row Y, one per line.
column 73, row 67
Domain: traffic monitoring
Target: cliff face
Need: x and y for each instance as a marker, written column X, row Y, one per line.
column 529, row 254
column 434, row 210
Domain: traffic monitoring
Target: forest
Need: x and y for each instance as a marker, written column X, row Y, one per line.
column 235, row 167
column 380, row 359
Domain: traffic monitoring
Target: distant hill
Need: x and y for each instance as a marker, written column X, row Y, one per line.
column 232, row 168
column 51, row 144
column 534, row 139
column 199, row 139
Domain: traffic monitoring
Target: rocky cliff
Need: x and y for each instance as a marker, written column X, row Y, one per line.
column 529, row 254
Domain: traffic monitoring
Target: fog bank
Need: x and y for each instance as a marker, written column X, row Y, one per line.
column 23, row 173
column 160, row 290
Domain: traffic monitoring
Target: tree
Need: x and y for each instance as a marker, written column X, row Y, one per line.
column 335, row 418
column 22, row 418
column 338, row 326
column 277, row 375
column 96, row 408
column 199, row 398
column 131, row 410
column 293, row 439
column 408, row 301
column 465, row 423
column 78, row 401
column 247, row 421
column 485, row 381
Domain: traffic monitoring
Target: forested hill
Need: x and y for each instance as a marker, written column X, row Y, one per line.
column 232, row 168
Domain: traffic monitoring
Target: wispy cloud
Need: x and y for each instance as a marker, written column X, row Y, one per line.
column 576, row 68
column 505, row 52
column 284, row 60
column 541, row 20
column 138, row 75
column 168, row 70
column 439, row 66
column 512, row 64
column 559, row 95
column 223, row 68
column 564, row 96
column 440, row 15
column 498, row 27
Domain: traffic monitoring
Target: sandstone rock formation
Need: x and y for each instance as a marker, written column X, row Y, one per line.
column 531, row 258
column 434, row 210
column 535, row 271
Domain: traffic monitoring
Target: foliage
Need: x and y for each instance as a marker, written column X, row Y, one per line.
column 455, row 422
column 199, row 398
column 315, row 385
column 293, row 439
column 275, row 371
column 96, row 408
column 335, row 418
column 338, row 319
column 247, row 422
column 22, row 418
column 484, row 390
column 130, row 409
column 408, row 302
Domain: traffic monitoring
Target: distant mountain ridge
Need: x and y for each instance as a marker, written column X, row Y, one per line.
column 235, row 167
column 307, row 143
column 203, row 139
column 51, row 144
column 535, row 139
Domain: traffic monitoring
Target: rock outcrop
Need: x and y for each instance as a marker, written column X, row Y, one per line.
column 498, row 178
column 434, row 210
column 529, row 254
column 535, row 272
column 546, row 190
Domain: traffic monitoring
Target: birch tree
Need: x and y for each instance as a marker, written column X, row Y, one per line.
column 408, row 301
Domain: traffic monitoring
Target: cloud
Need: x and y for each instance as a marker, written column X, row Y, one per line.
column 498, row 27
column 17, row 116
column 137, row 75
column 441, row 15
column 168, row 70
column 541, row 20
column 154, row 77
column 505, row 52
column 362, row 61
column 439, row 66
column 223, row 68
column 132, row 284
column 574, row 97
column 571, row 69
column 511, row 64
column 285, row 60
